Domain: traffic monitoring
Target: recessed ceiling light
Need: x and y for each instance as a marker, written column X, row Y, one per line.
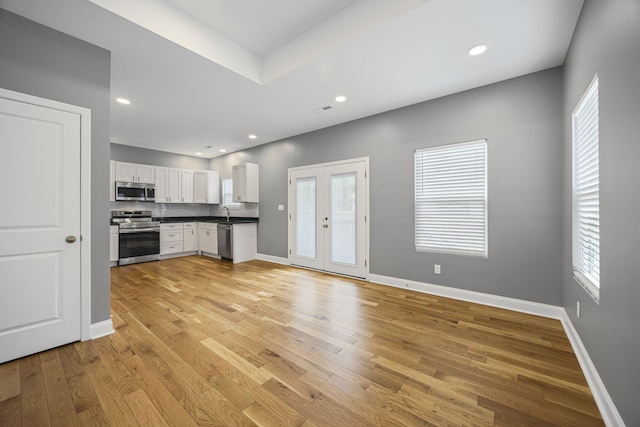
column 198, row 153
column 341, row 98
column 477, row 50
column 252, row 136
column 222, row 150
column 123, row 101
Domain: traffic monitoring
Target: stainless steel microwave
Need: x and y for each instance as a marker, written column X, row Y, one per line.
column 135, row 191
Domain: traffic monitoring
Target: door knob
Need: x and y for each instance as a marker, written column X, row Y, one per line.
column 326, row 226
column 70, row 239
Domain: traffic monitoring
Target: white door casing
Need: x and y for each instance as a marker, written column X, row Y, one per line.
column 328, row 207
column 44, row 292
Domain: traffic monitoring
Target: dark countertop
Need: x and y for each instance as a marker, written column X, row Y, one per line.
column 214, row 219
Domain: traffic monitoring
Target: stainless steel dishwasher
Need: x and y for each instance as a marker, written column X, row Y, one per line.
column 225, row 241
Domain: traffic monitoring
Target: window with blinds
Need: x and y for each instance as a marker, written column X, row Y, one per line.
column 586, row 191
column 451, row 198
column 227, row 194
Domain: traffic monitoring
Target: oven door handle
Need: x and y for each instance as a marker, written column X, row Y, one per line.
column 138, row 230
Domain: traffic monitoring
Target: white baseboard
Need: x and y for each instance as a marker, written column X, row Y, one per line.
column 274, row 259
column 101, row 329
column 539, row 309
column 607, row 408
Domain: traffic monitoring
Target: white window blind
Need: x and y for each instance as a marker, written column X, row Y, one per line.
column 586, row 191
column 227, row 193
column 451, row 198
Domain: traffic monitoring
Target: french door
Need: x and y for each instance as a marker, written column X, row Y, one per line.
column 328, row 217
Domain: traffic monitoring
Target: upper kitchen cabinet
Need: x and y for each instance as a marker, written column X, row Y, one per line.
column 168, row 185
column 245, row 183
column 206, row 187
column 186, row 186
column 132, row 172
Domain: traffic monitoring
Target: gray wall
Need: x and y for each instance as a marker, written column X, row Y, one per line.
column 125, row 153
column 607, row 41
column 43, row 62
column 522, row 120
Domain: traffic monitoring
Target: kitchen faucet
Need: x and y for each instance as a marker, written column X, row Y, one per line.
column 224, row 207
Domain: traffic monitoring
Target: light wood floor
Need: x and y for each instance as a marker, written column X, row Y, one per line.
column 203, row 342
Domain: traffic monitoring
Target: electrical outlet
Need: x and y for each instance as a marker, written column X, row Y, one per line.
column 578, row 309
column 280, row 207
column 436, row 269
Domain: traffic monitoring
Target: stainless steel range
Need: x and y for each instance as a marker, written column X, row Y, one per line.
column 139, row 236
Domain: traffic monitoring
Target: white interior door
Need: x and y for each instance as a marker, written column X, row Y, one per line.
column 39, row 228
column 328, row 218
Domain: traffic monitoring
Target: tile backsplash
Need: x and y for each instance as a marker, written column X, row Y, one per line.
column 244, row 210
column 186, row 209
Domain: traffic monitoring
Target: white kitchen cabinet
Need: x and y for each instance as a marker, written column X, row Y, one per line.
column 113, row 244
column 112, row 181
column 208, row 238
column 168, row 185
column 174, row 185
column 246, row 183
column 133, row 172
column 190, row 242
column 171, row 238
column 206, row 187
column 186, row 186
column 161, row 185
column 245, row 242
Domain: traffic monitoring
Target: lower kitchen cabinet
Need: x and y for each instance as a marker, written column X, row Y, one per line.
column 178, row 239
column 190, row 242
column 113, row 244
column 181, row 239
column 171, row 238
column 208, row 238
column 244, row 242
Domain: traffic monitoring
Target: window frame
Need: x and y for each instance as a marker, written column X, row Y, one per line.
column 587, row 280
column 228, row 204
column 420, row 228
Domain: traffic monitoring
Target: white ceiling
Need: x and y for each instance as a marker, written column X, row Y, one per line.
column 207, row 73
column 261, row 26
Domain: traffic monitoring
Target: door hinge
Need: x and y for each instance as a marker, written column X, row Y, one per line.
column 365, row 262
column 289, row 182
column 289, row 251
column 365, row 174
column 289, row 216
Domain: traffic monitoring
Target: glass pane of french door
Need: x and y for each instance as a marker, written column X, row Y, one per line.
column 306, row 217
column 343, row 218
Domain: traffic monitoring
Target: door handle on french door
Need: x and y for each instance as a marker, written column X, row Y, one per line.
column 70, row 239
